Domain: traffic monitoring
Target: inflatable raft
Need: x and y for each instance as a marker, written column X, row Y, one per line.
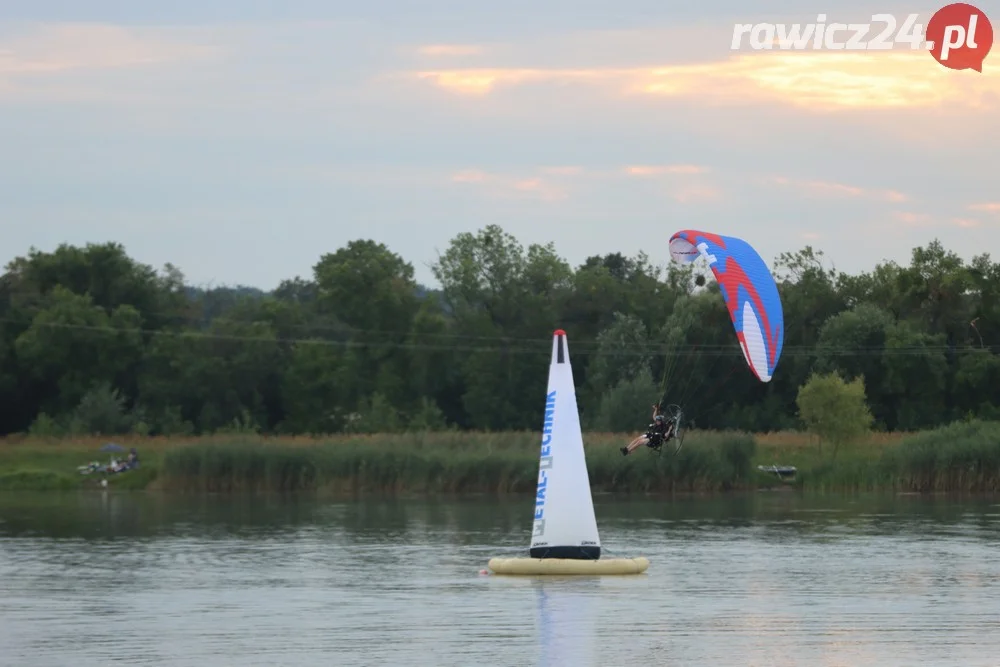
column 562, row 566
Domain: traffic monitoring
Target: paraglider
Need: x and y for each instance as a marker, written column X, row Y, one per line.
column 661, row 431
column 751, row 297
column 749, row 290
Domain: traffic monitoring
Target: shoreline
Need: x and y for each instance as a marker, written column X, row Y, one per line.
column 960, row 458
column 963, row 457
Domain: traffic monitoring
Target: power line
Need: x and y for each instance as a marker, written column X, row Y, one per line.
column 580, row 346
column 516, row 346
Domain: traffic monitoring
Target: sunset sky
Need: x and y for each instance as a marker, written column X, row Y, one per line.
column 241, row 140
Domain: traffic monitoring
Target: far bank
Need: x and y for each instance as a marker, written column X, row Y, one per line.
column 962, row 457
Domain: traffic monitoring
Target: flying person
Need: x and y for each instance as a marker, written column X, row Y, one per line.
column 660, row 431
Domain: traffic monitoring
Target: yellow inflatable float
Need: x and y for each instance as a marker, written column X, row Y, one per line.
column 564, row 566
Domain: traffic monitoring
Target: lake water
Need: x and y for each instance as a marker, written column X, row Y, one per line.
column 760, row 579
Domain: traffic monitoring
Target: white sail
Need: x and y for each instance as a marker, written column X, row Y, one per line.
column 565, row 525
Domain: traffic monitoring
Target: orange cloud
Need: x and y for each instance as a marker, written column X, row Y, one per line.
column 829, row 188
column 811, row 80
column 65, row 47
column 482, row 82
column 967, row 223
column 500, row 185
column 542, row 189
column 450, row 50
column 665, row 169
column 469, row 176
column 989, row 207
column 912, row 219
column 824, row 188
column 893, row 196
column 684, row 192
column 695, row 193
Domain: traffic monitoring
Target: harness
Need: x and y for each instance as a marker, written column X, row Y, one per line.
column 657, row 434
column 671, row 431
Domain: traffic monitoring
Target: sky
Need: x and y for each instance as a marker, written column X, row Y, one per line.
column 240, row 140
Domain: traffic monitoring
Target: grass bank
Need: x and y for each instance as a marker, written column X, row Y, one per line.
column 453, row 462
column 960, row 457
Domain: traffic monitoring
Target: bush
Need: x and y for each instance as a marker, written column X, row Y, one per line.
column 45, row 426
column 962, row 456
column 101, row 411
column 627, row 407
column 834, row 410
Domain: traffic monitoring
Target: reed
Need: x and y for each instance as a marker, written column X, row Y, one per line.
column 450, row 463
column 960, row 457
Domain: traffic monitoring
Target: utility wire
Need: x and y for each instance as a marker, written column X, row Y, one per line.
column 529, row 346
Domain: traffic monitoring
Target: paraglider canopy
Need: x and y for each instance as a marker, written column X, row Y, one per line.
column 749, row 291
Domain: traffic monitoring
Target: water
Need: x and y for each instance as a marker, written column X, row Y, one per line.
column 761, row 579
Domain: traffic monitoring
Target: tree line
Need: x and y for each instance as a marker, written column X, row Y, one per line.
column 93, row 341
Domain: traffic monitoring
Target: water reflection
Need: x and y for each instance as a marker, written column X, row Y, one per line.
column 566, row 621
column 755, row 579
column 776, row 516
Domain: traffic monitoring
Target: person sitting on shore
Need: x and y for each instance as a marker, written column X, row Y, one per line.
column 660, row 431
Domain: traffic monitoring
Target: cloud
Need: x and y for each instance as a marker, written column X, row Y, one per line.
column 912, row 219
column 833, row 189
column 656, row 170
column 470, row 176
column 58, row 48
column 967, row 223
column 684, row 192
column 92, row 62
column 450, row 50
column 548, row 183
column 511, row 185
column 818, row 81
column 158, row 75
column 553, row 184
column 482, row 82
column 563, row 171
column 989, row 207
column 689, row 194
column 377, row 175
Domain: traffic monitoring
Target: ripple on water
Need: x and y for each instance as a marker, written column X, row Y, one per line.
column 313, row 584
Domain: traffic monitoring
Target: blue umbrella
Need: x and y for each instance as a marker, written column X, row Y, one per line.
column 112, row 447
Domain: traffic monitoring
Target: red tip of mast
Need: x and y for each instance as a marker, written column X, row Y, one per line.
column 559, row 332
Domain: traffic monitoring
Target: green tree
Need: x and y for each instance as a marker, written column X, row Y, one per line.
column 501, row 297
column 71, row 344
column 834, row 410
column 626, row 407
column 622, row 353
column 368, row 287
column 852, row 343
column 361, row 342
column 102, row 411
column 317, row 389
column 435, row 367
column 214, row 376
column 916, row 378
column 106, row 274
column 372, row 291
